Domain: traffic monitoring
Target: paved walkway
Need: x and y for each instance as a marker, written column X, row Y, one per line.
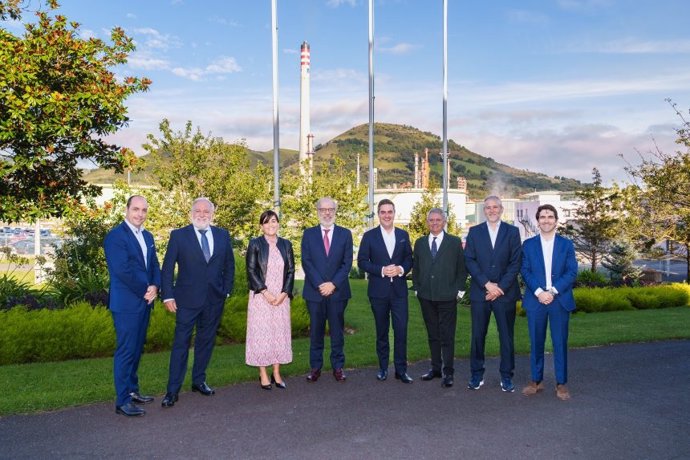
column 629, row 402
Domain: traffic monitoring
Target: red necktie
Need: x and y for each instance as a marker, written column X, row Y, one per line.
column 326, row 242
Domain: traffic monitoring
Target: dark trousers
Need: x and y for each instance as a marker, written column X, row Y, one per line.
column 334, row 312
column 206, row 319
column 504, row 316
column 384, row 309
column 558, row 318
column 130, row 333
column 440, row 318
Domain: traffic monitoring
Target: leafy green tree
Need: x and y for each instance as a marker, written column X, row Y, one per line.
column 299, row 196
column 662, row 193
column 187, row 164
column 619, row 262
column 59, row 99
column 431, row 198
column 595, row 224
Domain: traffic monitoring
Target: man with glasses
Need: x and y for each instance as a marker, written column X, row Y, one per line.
column 326, row 261
column 438, row 278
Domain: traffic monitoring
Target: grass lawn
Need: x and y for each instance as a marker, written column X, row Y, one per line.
column 45, row 386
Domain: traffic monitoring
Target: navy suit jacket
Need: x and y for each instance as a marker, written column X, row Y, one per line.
column 499, row 264
column 319, row 268
column 130, row 277
column 563, row 272
column 198, row 282
column 373, row 256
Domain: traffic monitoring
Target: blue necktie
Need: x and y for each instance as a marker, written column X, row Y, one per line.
column 204, row 245
column 434, row 248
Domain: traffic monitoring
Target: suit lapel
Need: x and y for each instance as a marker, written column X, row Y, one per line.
column 502, row 232
column 194, row 242
column 134, row 243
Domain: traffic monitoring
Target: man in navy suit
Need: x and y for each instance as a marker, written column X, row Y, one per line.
column 438, row 278
column 326, row 260
column 492, row 257
column 549, row 268
column 134, row 279
column 386, row 255
column 205, row 276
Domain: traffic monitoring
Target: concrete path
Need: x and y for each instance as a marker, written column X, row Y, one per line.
column 629, row 402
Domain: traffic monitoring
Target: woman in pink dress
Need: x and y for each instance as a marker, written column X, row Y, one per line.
column 271, row 276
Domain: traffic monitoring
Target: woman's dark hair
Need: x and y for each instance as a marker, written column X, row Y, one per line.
column 266, row 216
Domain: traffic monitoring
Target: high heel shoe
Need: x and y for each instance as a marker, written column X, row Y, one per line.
column 280, row 385
column 264, row 387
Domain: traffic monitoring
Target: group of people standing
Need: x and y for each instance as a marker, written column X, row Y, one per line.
column 201, row 255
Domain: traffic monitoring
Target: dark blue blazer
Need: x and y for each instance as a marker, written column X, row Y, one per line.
column 129, row 276
column 319, row 268
column 198, row 281
column 499, row 264
column 373, row 256
column 563, row 272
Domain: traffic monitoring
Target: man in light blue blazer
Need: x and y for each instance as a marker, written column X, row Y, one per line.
column 549, row 269
column 385, row 254
column 492, row 256
column 205, row 265
column 326, row 261
column 135, row 275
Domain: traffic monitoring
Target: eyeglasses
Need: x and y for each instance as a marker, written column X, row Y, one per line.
column 326, row 209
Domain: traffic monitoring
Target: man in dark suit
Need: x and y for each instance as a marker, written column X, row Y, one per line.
column 134, row 279
column 438, row 278
column 549, row 268
column 326, row 260
column 386, row 255
column 205, row 276
column 492, row 257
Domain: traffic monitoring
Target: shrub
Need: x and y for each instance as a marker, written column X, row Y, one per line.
column 594, row 300
column 588, row 278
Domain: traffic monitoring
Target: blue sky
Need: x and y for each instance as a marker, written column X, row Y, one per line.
column 555, row 86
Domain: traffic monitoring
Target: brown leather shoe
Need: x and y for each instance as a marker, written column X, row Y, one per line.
column 314, row 375
column 339, row 375
column 532, row 388
column 562, row 392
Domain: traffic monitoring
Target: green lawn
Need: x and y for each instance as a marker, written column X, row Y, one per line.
column 45, row 386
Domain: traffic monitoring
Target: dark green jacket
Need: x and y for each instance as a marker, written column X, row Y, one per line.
column 441, row 278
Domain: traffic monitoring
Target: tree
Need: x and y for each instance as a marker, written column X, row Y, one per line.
column 619, row 262
column 59, row 99
column 299, row 196
column 662, row 198
column 186, row 164
column 430, row 199
column 595, row 224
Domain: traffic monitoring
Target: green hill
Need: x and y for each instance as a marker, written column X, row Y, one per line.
column 394, row 149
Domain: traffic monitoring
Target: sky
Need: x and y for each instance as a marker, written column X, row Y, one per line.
column 552, row 86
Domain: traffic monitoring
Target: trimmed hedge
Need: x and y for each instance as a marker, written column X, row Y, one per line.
column 83, row 331
column 596, row 300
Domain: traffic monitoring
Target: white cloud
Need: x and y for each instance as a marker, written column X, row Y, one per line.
column 636, row 46
column 86, row 34
column 222, row 66
column 399, row 49
column 145, row 62
column 337, row 3
column 153, row 39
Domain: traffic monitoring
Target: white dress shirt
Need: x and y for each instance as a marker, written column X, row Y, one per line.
column 140, row 238
column 209, row 237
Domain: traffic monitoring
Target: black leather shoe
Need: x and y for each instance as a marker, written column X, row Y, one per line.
column 431, row 375
column 203, row 389
column 140, row 399
column 382, row 375
column 447, row 381
column 314, row 375
column 282, row 385
column 339, row 375
column 169, row 400
column 130, row 410
column 404, row 378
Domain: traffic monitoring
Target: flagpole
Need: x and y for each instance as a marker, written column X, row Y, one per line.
column 370, row 216
column 445, row 107
column 276, row 120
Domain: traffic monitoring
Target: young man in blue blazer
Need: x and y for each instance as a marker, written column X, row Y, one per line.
column 134, row 279
column 549, row 269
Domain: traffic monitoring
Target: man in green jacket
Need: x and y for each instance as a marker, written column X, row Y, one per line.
column 438, row 278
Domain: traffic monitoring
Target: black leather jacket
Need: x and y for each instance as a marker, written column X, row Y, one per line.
column 257, row 264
